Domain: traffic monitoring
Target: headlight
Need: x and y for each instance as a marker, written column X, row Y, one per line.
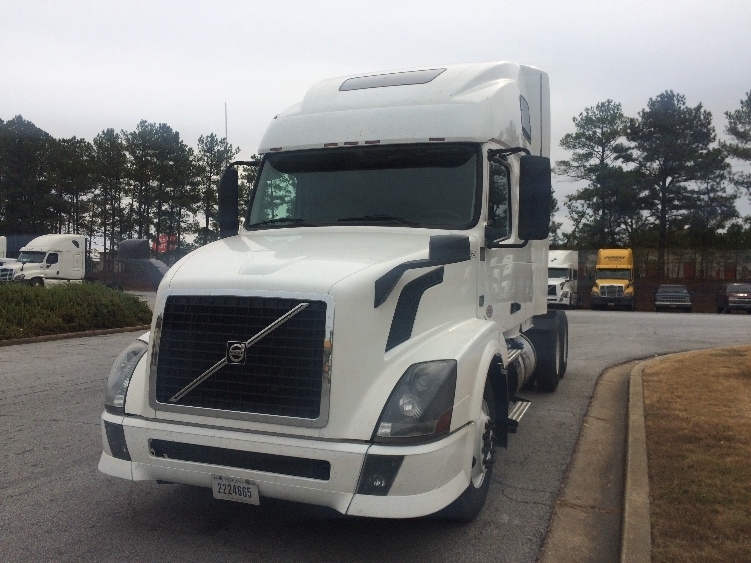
column 421, row 404
column 120, row 374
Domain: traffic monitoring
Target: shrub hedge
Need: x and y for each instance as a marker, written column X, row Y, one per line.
column 27, row 311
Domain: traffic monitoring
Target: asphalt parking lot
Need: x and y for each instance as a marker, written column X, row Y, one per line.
column 57, row 506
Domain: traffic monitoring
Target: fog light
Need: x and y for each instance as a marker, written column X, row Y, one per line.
column 378, row 474
column 116, row 440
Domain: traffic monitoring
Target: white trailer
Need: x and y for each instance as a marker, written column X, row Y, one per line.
column 47, row 260
column 361, row 340
column 563, row 276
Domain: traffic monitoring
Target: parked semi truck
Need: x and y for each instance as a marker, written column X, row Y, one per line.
column 360, row 341
column 47, row 260
column 563, row 276
column 614, row 283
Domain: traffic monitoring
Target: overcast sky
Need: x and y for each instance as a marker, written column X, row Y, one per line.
column 75, row 68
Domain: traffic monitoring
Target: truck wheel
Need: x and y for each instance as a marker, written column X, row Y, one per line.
column 470, row 502
column 36, row 282
column 563, row 337
column 547, row 344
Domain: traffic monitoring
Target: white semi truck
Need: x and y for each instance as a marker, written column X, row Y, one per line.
column 359, row 342
column 48, row 260
column 563, row 276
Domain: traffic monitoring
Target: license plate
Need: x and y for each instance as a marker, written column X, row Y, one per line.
column 232, row 488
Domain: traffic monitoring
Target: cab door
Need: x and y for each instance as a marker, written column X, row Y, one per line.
column 52, row 265
column 507, row 291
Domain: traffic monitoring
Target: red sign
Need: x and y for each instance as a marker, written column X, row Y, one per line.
column 166, row 243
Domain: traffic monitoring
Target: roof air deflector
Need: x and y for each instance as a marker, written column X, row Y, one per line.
column 392, row 79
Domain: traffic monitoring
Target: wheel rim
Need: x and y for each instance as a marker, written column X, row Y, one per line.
column 484, row 454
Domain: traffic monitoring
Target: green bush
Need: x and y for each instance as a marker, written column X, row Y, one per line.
column 72, row 307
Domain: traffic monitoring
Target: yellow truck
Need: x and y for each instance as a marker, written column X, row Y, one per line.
column 614, row 283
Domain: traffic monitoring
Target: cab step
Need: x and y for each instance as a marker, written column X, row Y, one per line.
column 518, row 410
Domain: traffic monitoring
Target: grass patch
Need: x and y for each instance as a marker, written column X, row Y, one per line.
column 74, row 307
column 697, row 409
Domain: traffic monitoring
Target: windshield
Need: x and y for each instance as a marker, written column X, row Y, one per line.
column 399, row 185
column 739, row 288
column 31, row 256
column 672, row 289
column 558, row 272
column 613, row 274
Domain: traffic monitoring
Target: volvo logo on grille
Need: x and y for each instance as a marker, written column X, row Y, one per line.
column 236, row 352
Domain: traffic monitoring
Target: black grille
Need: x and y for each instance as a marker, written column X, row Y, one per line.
column 254, row 461
column 282, row 374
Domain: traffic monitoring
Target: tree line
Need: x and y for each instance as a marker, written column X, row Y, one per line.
column 659, row 180
column 129, row 184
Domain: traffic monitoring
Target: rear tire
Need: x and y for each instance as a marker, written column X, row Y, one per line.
column 470, row 502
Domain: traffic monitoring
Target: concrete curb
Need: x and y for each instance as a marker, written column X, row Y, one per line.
column 636, row 533
column 67, row 335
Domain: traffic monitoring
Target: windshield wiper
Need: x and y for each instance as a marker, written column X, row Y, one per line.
column 379, row 219
column 281, row 220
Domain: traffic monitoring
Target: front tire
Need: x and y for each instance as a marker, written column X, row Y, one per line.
column 547, row 344
column 470, row 502
column 563, row 336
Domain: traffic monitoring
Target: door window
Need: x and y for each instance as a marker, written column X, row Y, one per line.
column 499, row 198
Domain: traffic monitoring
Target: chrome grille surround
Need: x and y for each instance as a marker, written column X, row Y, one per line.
column 219, row 334
column 611, row 291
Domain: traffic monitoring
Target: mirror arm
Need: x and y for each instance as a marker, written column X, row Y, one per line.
column 500, row 155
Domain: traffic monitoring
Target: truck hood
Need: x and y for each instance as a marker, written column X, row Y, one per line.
column 604, row 281
column 20, row 267
column 341, row 264
column 295, row 260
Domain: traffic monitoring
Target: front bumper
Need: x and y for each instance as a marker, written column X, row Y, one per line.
column 673, row 305
column 597, row 301
column 429, row 478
